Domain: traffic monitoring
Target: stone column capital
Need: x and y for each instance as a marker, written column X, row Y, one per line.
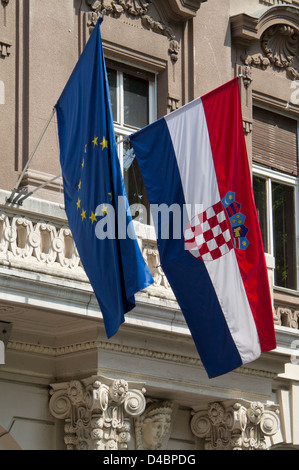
column 97, row 411
column 235, row 425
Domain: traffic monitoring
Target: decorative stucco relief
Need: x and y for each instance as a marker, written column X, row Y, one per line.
column 116, row 8
column 239, row 425
column 153, row 425
column 46, row 246
column 280, row 48
column 277, row 2
column 286, row 316
column 97, row 412
column 136, row 9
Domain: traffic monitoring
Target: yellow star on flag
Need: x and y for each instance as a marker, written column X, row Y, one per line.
column 79, row 203
column 95, row 141
column 83, row 163
column 104, row 210
column 93, row 218
column 104, row 143
column 83, row 214
column 79, row 185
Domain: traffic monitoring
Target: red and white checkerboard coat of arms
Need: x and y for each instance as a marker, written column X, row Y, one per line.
column 208, row 236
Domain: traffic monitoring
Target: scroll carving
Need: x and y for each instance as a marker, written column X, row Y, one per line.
column 240, row 425
column 134, row 8
column 97, row 412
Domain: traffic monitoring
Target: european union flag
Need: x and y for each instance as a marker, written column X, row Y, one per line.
column 94, row 190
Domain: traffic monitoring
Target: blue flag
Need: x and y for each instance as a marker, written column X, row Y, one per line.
column 95, row 199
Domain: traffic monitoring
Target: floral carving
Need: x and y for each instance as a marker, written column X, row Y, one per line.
column 236, row 426
column 117, row 7
column 97, row 412
column 135, row 8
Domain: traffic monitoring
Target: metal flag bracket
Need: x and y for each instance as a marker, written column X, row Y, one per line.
column 17, row 196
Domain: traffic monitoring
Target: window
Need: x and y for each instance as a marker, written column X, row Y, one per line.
column 276, row 192
column 133, row 106
column 275, row 199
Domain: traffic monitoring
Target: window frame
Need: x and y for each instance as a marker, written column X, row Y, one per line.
column 122, row 130
column 271, row 176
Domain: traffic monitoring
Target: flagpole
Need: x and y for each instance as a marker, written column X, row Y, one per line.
column 12, row 198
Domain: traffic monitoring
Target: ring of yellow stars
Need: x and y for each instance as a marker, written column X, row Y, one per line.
column 95, row 141
column 79, row 204
column 104, row 210
column 93, row 217
column 104, row 143
column 83, row 214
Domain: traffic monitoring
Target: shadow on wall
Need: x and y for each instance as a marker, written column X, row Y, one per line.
column 7, row 442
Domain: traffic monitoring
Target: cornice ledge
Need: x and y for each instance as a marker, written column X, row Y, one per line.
column 57, row 352
column 181, row 10
column 246, row 28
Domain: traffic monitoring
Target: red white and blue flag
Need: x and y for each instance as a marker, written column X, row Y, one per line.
column 196, row 158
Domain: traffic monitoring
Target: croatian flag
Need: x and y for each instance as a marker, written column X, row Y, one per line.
column 195, row 158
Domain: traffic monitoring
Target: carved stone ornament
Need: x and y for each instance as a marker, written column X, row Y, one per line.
column 4, row 48
column 286, row 316
column 240, row 425
column 97, row 412
column 280, row 46
column 116, row 8
column 153, row 425
column 48, row 247
column 134, row 8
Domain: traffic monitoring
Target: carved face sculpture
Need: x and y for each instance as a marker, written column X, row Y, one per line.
column 153, row 430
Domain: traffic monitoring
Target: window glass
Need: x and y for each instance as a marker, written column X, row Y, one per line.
column 112, row 79
column 132, row 106
column 275, row 203
column 136, row 101
column 284, row 235
column 260, row 196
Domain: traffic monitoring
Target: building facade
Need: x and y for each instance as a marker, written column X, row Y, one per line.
column 63, row 384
